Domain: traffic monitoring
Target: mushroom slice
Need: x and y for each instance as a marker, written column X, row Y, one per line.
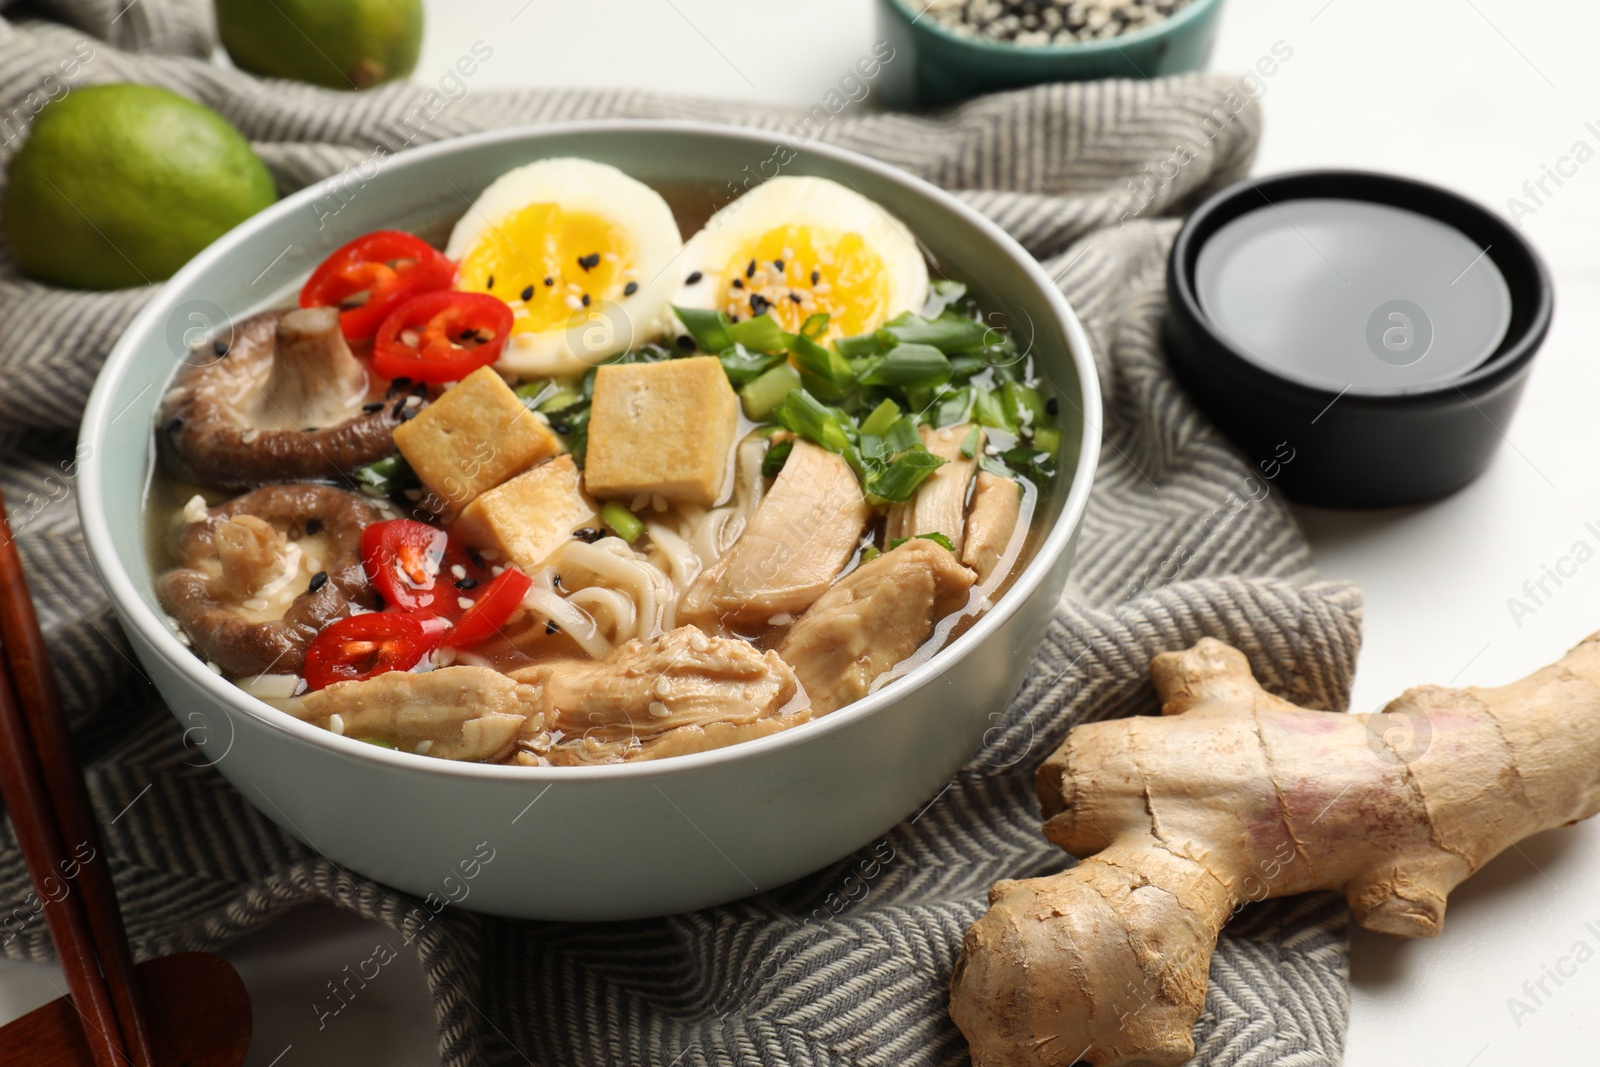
column 286, row 402
column 459, row 713
column 683, row 691
column 247, row 592
column 996, row 506
column 872, row 619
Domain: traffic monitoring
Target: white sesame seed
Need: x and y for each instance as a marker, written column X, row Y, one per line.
column 336, row 723
column 458, row 571
column 424, row 747
column 463, row 603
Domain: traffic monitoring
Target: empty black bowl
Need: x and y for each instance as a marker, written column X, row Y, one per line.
column 1365, row 445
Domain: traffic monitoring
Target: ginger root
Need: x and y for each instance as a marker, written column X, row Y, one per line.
column 1233, row 796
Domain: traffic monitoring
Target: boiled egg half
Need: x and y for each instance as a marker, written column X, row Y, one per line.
column 580, row 251
column 797, row 246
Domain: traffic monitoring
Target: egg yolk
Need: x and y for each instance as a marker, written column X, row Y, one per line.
column 795, row 272
column 550, row 264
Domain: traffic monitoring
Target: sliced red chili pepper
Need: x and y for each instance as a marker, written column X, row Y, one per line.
column 414, row 566
column 359, row 647
column 491, row 610
column 389, row 266
column 441, row 337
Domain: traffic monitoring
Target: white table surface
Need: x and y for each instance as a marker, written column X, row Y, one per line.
column 1480, row 95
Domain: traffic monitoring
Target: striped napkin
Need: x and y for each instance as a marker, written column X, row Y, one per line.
column 1183, row 539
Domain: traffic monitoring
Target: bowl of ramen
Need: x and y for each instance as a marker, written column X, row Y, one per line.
column 562, row 523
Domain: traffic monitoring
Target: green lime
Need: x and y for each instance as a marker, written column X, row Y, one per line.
column 120, row 185
column 342, row 44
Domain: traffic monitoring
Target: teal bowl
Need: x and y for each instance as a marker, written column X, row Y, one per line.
column 932, row 65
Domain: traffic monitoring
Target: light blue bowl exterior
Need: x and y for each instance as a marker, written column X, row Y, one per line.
column 586, row 843
column 933, row 66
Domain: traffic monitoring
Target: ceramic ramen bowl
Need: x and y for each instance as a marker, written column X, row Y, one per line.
column 595, row 842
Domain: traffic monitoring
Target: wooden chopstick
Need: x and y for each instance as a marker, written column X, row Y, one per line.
column 38, row 746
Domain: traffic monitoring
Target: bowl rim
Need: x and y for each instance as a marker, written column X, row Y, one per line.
column 1174, row 23
column 135, row 612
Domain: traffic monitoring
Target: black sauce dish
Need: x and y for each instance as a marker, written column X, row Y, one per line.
column 1321, row 375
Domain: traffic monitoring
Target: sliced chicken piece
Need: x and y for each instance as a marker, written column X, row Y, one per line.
column 459, row 713
column 996, row 505
column 796, row 543
column 940, row 503
column 875, row 617
column 680, row 692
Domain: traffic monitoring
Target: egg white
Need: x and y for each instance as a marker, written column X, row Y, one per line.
column 814, row 203
column 612, row 325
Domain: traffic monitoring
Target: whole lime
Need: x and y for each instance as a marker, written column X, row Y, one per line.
column 341, row 44
column 120, row 185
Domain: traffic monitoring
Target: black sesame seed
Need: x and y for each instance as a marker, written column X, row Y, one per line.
column 587, row 534
column 686, row 342
column 172, row 425
column 797, row 298
column 490, row 283
column 551, row 628
column 549, row 282
column 1053, row 406
column 816, row 276
column 475, row 558
column 738, row 283
column 750, row 271
column 759, row 304
column 318, row 580
column 408, row 414
column 691, row 279
column 420, row 389
column 220, row 348
column 630, row 288
column 733, row 318
column 398, row 386
column 527, row 292
column 562, row 428
column 467, row 583
column 585, row 299
column 400, row 408
column 555, row 580
column 372, row 408
column 590, row 261
column 313, row 526
column 778, row 263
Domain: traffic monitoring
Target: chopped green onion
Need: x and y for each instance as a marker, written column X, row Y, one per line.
column 708, row 328
column 1047, row 439
column 969, row 447
column 987, row 410
column 775, row 458
column 937, row 538
column 908, row 366
column 952, row 407
column 883, row 416
column 743, row 366
column 760, row 334
column 560, row 400
column 535, row 392
column 761, row 397
column 867, row 344
column 947, row 335
column 964, row 367
column 942, row 293
column 870, row 553
column 815, row 325
column 1024, row 405
column 825, row 371
column 624, row 523
column 813, row 420
column 896, row 482
column 376, row 742
column 383, row 477
column 902, row 434
column 1038, row 467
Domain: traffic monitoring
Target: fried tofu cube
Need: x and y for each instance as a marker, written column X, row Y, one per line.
column 471, row 439
column 529, row 517
column 665, row 428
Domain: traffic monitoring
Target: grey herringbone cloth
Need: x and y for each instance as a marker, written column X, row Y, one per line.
column 1180, row 542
